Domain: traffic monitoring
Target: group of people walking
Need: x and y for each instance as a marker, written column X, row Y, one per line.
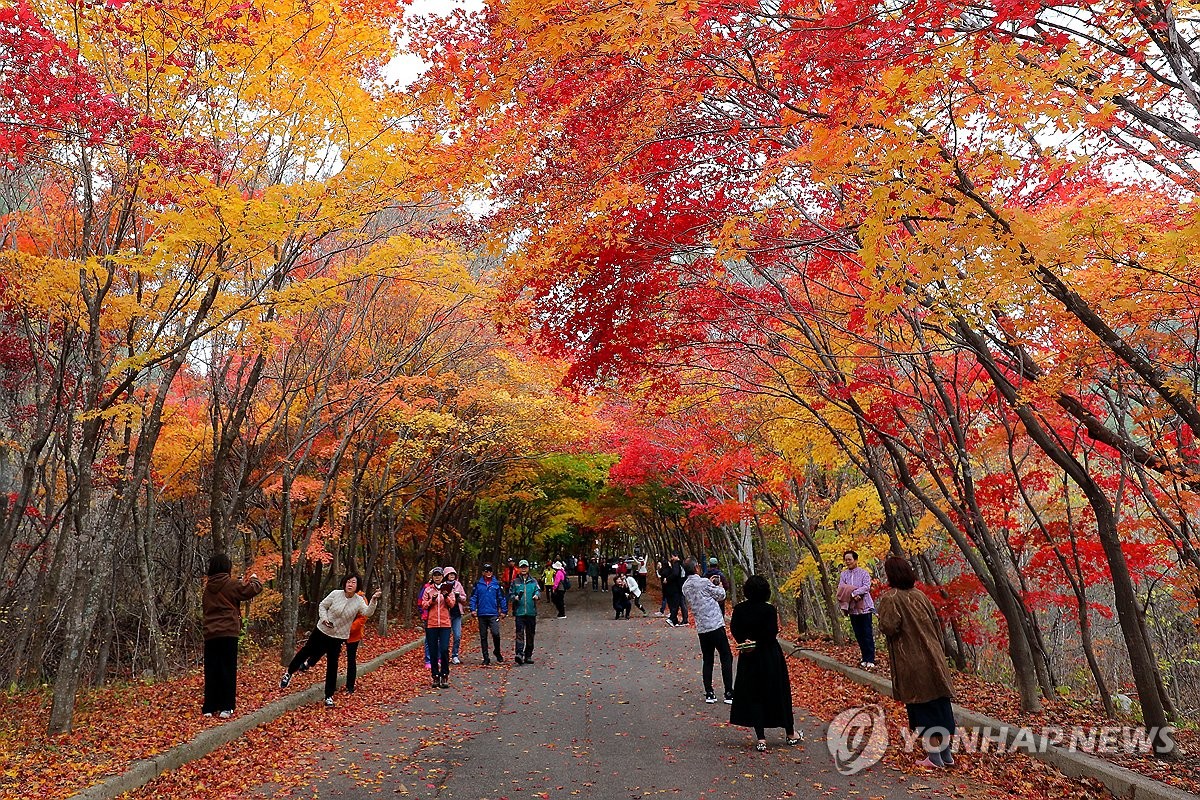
column 759, row 696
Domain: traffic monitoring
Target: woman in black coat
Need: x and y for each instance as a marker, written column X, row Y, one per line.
column 762, row 691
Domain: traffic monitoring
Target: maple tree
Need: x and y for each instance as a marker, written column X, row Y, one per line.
column 934, row 222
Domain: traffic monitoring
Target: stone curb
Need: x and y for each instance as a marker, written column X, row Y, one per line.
column 142, row 772
column 1123, row 783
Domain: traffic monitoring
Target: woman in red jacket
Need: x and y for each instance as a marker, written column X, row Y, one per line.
column 222, row 601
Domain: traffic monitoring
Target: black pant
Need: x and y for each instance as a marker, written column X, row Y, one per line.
column 717, row 642
column 220, row 674
column 489, row 623
column 595, row 582
column 675, row 602
column 637, row 601
column 351, row 664
column 865, row 635
column 641, row 581
column 559, row 599
column 320, row 644
column 526, row 630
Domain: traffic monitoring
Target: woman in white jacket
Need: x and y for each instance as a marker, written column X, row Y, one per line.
column 635, row 592
column 337, row 613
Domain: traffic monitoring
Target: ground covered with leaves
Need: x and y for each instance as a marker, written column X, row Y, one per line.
column 1003, row 703
column 118, row 724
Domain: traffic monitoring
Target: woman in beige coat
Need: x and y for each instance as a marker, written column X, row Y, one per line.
column 920, row 677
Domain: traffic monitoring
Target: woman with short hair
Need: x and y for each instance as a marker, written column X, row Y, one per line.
column 336, row 614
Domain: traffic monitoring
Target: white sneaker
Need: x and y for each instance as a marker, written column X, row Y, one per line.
column 329, row 702
column 225, row 714
column 455, row 660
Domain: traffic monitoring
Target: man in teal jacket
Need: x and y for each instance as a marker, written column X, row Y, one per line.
column 524, row 593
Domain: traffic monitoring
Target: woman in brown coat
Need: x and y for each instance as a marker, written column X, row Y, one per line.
column 222, row 601
column 920, row 677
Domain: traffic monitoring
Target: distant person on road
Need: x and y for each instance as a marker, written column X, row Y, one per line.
column 635, row 593
column 221, row 602
column 508, row 574
column 489, row 602
column 524, row 594
column 920, row 677
column 594, row 572
column 336, row 614
column 673, row 578
column 660, row 568
column 438, row 599
column 558, row 589
column 581, row 570
column 854, row 598
column 641, row 574
column 456, row 613
column 605, row 571
column 762, row 692
column 705, row 595
column 548, row 578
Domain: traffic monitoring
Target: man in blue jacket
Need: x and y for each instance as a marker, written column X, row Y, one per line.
column 489, row 604
column 525, row 593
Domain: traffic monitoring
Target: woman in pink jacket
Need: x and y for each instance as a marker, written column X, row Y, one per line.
column 438, row 599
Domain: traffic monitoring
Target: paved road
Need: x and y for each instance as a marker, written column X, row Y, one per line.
column 610, row 710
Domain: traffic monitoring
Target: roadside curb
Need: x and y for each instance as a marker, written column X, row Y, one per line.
column 145, row 770
column 1123, row 783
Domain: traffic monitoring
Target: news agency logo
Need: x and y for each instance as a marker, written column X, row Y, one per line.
column 857, row 738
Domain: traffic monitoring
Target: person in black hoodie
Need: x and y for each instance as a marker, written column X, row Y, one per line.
column 221, row 602
column 673, row 578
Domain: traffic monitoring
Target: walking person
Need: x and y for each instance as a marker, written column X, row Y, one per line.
column 594, row 572
column 762, row 691
column 920, row 677
column 221, row 602
column 635, row 593
column 620, row 599
column 854, row 598
column 558, row 589
column 508, row 574
column 335, row 616
column 605, row 570
column 489, row 602
column 548, row 578
column 438, row 600
column 673, row 578
column 705, row 596
column 524, row 594
column 456, row 613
